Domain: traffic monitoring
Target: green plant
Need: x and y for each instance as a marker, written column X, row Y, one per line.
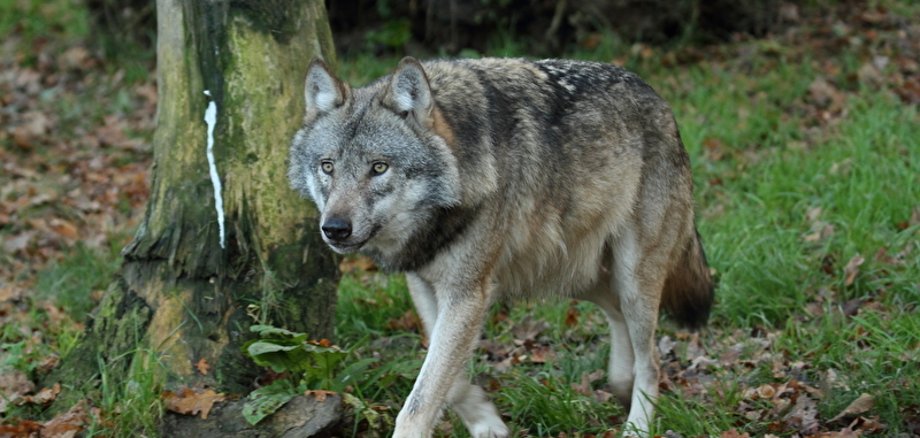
column 309, row 364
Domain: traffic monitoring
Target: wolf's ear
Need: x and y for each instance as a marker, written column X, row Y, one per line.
column 409, row 93
column 323, row 92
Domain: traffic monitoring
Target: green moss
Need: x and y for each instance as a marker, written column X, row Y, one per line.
column 278, row 18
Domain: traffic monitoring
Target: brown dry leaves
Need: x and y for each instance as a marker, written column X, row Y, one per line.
column 17, row 389
column 190, row 401
column 64, row 425
column 70, row 423
column 851, row 270
column 202, row 366
column 698, row 366
column 320, row 394
column 14, row 385
column 861, row 405
column 74, row 159
column 68, row 176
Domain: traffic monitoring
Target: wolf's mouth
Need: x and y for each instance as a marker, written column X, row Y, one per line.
column 349, row 247
column 346, row 247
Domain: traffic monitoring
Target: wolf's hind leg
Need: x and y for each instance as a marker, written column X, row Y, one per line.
column 639, row 295
column 468, row 401
column 620, row 367
column 620, row 372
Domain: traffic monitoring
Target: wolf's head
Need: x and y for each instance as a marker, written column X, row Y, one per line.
column 372, row 159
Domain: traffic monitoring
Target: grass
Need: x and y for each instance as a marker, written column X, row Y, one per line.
column 134, row 398
column 72, row 280
column 41, row 20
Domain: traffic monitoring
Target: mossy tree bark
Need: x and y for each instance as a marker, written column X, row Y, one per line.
column 180, row 296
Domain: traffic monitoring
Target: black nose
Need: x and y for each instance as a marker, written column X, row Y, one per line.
column 337, row 228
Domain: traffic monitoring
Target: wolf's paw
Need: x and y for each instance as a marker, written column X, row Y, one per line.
column 493, row 428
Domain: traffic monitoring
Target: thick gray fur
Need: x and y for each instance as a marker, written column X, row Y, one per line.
column 507, row 178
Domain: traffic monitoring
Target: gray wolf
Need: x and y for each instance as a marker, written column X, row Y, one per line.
column 501, row 178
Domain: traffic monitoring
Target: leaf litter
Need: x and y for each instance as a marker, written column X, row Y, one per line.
column 74, row 164
column 188, row 401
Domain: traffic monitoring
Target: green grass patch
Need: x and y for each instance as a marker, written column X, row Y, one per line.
column 43, row 19
column 130, row 404
column 72, row 281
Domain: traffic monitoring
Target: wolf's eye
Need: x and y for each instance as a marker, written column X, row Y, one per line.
column 379, row 168
column 327, row 167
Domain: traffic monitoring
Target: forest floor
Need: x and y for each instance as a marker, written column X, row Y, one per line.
column 806, row 155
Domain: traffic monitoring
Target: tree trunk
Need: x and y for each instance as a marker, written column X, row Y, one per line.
column 194, row 279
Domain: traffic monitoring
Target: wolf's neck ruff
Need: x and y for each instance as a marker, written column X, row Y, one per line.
column 427, row 241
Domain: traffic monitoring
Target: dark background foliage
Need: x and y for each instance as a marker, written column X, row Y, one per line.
column 446, row 27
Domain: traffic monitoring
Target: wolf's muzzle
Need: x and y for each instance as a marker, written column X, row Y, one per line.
column 336, row 229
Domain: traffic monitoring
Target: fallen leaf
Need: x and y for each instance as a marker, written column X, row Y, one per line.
column 825, row 231
column 24, row 428
column 36, row 125
column 843, row 433
column 694, row 349
column 68, row 424
column 583, row 387
column 541, row 354
column 824, row 94
column 766, row 392
column 870, row 74
column 732, row 433
column 10, row 293
column 813, row 213
column 602, row 396
column 357, row 263
column 528, row 329
column 64, row 228
column 842, row 167
column 861, row 405
column 18, row 242
column 46, row 364
column 804, row 416
column 13, row 385
column 571, row 316
column 112, row 133
column 75, row 58
column 852, row 269
column 45, row 396
column 714, row 149
column 320, row 394
column 867, row 425
column 666, row 345
column 409, row 321
column 147, row 91
column 192, row 401
column 203, row 366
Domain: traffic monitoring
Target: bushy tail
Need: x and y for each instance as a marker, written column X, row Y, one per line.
column 689, row 289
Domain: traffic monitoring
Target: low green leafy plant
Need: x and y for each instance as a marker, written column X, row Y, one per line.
column 309, row 364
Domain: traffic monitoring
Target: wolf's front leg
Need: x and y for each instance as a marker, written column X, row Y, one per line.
column 460, row 314
column 468, row 401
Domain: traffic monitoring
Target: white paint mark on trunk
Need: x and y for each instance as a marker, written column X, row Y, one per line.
column 210, row 117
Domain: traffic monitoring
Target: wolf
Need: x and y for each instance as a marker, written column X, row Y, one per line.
column 495, row 179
